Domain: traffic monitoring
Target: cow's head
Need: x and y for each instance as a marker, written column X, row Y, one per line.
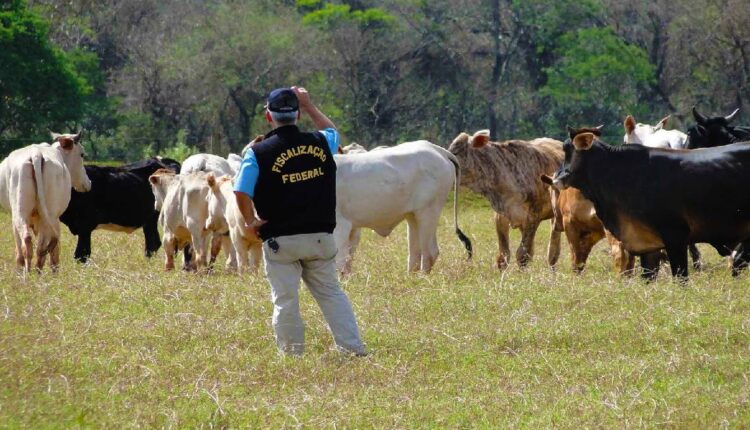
column 714, row 131
column 259, row 138
column 160, row 182
column 73, row 154
column 353, row 148
column 572, row 170
column 465, row 147
column 637, row 133
column 573, row 132
column 217, row 202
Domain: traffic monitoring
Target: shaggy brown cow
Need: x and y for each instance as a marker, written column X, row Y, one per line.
column 507, row 174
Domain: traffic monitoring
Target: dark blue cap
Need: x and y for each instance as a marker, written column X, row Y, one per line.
column 282, row 100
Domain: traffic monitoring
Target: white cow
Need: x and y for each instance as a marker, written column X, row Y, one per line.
column 224, row 217
column 35, row 184
column 183, row 204
column 380, row 189
column 208, row 163
column 653, row 136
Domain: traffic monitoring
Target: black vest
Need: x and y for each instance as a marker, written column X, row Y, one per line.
column 296, row 188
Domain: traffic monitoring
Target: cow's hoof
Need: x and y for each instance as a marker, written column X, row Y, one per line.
column 502, row 264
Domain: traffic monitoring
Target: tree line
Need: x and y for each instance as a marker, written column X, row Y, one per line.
column 145, row 77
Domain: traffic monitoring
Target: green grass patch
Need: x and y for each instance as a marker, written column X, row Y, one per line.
column 119, row 343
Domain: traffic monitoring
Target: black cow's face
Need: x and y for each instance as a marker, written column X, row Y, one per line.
column 571, row 169
column 711, row 132
column 714, row 132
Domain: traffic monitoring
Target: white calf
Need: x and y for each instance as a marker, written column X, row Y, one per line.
column 182, row 200
column 224, row 216
column 653, row 136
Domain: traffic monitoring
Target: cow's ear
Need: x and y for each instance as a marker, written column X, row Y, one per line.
column 663, row 123
column 547, row 180
column 480, row 138
column 340, row 150
column 54, row 136
column 66, row 143
column 629, row 124
column 211, row 180
column 584, row 141
column 154, row 179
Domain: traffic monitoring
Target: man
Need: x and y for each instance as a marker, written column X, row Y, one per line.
column 290, row 180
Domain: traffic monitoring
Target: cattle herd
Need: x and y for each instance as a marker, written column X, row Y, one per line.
column 653, row 197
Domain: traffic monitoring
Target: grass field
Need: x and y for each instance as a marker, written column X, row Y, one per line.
column 119, row 343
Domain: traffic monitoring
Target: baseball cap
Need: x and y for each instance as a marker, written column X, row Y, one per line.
column 282, row 100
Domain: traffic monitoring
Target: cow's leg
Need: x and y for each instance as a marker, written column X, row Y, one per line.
column 575, row 238
column 256, row 254
column 354, row 237
column 412, row 237
column 622, row 261
column 502, row 227
column 226, row 245
column 54, row 255
column 42, row 246
column 553, row 249
column 696, row 256
column 341, row 236
column 170, row 248
column 427, row 222
column 678, row 259
column 19, row 247
column 650, row 265
column 740, row 257
column 216, row 246
column 188, row 257
column 151, row 235
column 83, row 247
column 200, row 240
column 525, row 250
column 27, row 246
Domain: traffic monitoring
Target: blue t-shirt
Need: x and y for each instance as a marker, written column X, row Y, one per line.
column 247, row 177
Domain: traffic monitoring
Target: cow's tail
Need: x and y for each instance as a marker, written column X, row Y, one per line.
column 37, row 162
column 461, row 236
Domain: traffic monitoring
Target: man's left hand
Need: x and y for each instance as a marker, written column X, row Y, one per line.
column 254, row 225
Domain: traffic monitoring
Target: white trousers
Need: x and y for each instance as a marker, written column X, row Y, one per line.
column 310, row 257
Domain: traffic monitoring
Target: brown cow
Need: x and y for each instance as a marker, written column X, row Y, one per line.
column 575, row 215
column 507, row 174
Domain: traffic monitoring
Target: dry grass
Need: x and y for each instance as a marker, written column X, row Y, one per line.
column 118, row 343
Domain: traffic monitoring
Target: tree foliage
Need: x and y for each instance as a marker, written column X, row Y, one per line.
column 39, row 84
column 149, row 75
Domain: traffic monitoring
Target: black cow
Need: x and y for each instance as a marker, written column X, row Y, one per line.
column 657, row 198
column 715, row 131
column 718, row 131
column 120, row 199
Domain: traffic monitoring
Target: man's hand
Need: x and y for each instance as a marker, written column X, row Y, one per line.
column 318, row 118
column 255, row 225
column 303, row 97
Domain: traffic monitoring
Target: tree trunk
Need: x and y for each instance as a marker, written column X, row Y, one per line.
column 496, row 69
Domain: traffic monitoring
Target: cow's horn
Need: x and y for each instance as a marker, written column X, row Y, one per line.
column 698, row 116
column 732, row 115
